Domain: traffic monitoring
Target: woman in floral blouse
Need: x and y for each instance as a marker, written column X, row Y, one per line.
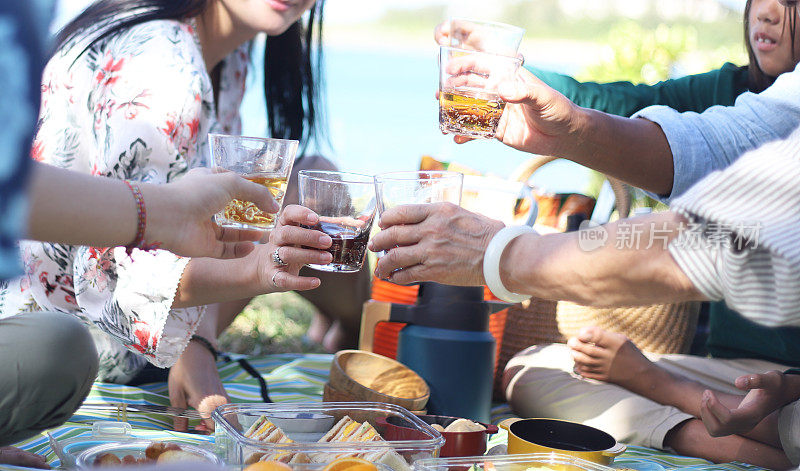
column 131, row 93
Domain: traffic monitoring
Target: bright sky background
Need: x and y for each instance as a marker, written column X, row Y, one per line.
column 344, row 11
column 734, row 3
column 336, row 11
column 354, row 11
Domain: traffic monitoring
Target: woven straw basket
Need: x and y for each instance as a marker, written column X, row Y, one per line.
column 660, row 328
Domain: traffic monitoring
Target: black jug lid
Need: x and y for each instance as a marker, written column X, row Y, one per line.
column 447, row 307
column 432, row 293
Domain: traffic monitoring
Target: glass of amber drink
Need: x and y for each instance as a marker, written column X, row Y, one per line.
column 469, row 104
column 267, row 162
column 345, row 204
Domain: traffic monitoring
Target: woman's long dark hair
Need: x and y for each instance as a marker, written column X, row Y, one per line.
column 292, row 80
column 758, row 81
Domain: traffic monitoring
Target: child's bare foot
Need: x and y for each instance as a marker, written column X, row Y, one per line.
column 609, row 356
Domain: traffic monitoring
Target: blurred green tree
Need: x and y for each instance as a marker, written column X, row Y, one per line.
column 641, row 55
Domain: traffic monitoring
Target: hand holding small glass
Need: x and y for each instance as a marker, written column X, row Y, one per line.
column 469, row 101
column 345, row 203
column 267, row 162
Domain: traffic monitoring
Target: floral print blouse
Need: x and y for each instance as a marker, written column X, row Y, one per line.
column 137, row 105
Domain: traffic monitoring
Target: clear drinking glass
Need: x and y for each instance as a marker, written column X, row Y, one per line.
column 345, row 204
column 267, row 162
column 485, row 36
column 469, row 103
column 417, row 187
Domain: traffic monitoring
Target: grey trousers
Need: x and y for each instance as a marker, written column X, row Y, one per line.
column 47, row 365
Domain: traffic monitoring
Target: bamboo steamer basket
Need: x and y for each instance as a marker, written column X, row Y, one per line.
column 369, row 377
column 331, row 394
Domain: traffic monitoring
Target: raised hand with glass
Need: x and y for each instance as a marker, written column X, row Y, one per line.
column 469, row 101
column 267, row 162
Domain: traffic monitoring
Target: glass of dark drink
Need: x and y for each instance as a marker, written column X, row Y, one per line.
column 469, row 103
column 267, row 162
column 345, row 204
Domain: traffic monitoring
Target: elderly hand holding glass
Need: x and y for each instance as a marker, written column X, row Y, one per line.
column 448, row 244
column 432, row 242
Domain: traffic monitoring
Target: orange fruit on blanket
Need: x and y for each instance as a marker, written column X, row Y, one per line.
column 350, row 463
column 268, row 466
column 363, row 467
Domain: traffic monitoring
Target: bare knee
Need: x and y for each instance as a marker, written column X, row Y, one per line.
column 68, row 349
column 50, row 363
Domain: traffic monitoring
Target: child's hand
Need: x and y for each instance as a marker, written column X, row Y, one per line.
column 767, row 393
column 16, row 457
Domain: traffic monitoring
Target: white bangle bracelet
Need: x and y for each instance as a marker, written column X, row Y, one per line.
column 491, row 262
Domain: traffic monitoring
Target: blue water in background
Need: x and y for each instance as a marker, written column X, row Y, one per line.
column 382, row 116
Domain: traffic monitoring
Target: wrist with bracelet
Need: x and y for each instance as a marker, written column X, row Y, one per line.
column 491, row 262
column 205, row 343
column 262, row 383
column 141, row 221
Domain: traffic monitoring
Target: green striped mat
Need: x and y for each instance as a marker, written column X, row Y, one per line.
column 291, row 378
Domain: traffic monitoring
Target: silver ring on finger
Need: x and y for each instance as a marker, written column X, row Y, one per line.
column 273, row 279
column 277, row 260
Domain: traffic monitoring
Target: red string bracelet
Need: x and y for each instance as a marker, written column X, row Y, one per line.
column 141, row 221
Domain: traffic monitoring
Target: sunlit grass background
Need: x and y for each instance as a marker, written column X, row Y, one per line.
column 274, row 323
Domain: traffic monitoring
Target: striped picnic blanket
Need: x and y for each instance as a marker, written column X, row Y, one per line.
column 291, row 378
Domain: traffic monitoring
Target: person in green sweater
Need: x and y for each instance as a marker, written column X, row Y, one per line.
column 730, row 335
column 690, row 93
column 773, row 48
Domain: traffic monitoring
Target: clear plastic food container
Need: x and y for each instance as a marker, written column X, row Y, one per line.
column 303, row 424
column 101, row 433
column 133, row 452
column 532, row 462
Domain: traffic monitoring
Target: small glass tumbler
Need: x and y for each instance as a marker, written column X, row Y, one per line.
column 417, row 187
column 485, row 36
column 469, row 102
column 345, row 204
column 265, row 161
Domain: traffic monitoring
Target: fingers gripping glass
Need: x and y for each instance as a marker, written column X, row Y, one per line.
column 267, row 162
column 398, row 188
column 345, row 204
